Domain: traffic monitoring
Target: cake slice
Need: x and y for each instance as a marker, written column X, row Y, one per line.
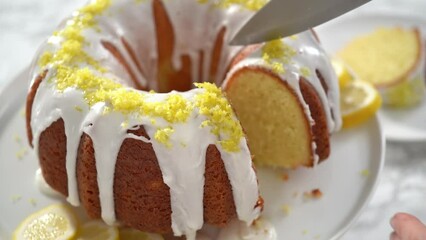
column 278, row 132
column 392, row 59
column 285, row 95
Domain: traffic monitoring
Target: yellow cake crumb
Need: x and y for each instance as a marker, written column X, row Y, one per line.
column 365, row 173
column 17, row 138
column 314, row 194
column 286, row 209
column 16, row 198
column 22, row 152
column 33, row 201
column 284, row 176
column 78, row 109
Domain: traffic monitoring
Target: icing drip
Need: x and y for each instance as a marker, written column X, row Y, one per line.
column 106, row 144
column 44, row 187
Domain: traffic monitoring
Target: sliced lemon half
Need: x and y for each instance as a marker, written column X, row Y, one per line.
column 359, row 101
column 133, row 234
column 56, row 222
column 97, row 230
column 342, row 72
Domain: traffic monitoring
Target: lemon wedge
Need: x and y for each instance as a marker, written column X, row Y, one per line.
column 56, row 222
column 133, row 234
column 97, row 230
column 359, row 101
column 342, row 72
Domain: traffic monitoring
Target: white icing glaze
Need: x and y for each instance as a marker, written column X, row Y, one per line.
column 183, row 164
column 44, row 187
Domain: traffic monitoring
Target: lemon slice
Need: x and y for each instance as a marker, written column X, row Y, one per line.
column 133, row 234
column 97, row 230
column 359, row 101
column 342, row 72
column 55, row 222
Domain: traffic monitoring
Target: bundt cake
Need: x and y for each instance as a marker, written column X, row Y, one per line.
column 391, row 58
column 118, row 127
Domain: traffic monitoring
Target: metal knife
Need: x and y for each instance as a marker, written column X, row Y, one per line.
column 282, row 18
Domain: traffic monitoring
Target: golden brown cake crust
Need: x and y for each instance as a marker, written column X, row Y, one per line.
column 52, row 155
column 29, row 105
column 218, row 200
column 320, row 129
column 142, row 199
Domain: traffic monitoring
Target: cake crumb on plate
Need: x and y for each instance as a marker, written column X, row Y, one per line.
column 314, row 194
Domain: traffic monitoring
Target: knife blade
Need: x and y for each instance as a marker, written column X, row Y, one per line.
column 282, row 18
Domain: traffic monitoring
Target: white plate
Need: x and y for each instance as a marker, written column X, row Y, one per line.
column 398, row 125
column 345, row 190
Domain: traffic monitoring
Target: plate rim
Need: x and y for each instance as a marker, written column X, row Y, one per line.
column 376, row 181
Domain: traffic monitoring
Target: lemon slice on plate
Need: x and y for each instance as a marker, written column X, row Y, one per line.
column 342, row 72
column 56, row 222
column 359, row 101
column 97, row 230
column 133, row 234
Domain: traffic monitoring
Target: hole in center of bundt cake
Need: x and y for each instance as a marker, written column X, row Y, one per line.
column 172, row 71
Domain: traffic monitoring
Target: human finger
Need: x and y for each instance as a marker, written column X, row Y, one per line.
column 394, row 236
column 407, row 226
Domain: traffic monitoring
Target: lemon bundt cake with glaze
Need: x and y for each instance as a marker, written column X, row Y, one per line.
column 113, row 134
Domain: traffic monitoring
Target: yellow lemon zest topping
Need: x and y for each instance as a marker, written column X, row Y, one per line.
column 72, row 67
column 276, row 53
column 253, row 5
column 306, row 72
column 163, row 135
column 214, row 105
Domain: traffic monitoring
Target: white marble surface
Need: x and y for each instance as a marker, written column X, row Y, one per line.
column 24, row 24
